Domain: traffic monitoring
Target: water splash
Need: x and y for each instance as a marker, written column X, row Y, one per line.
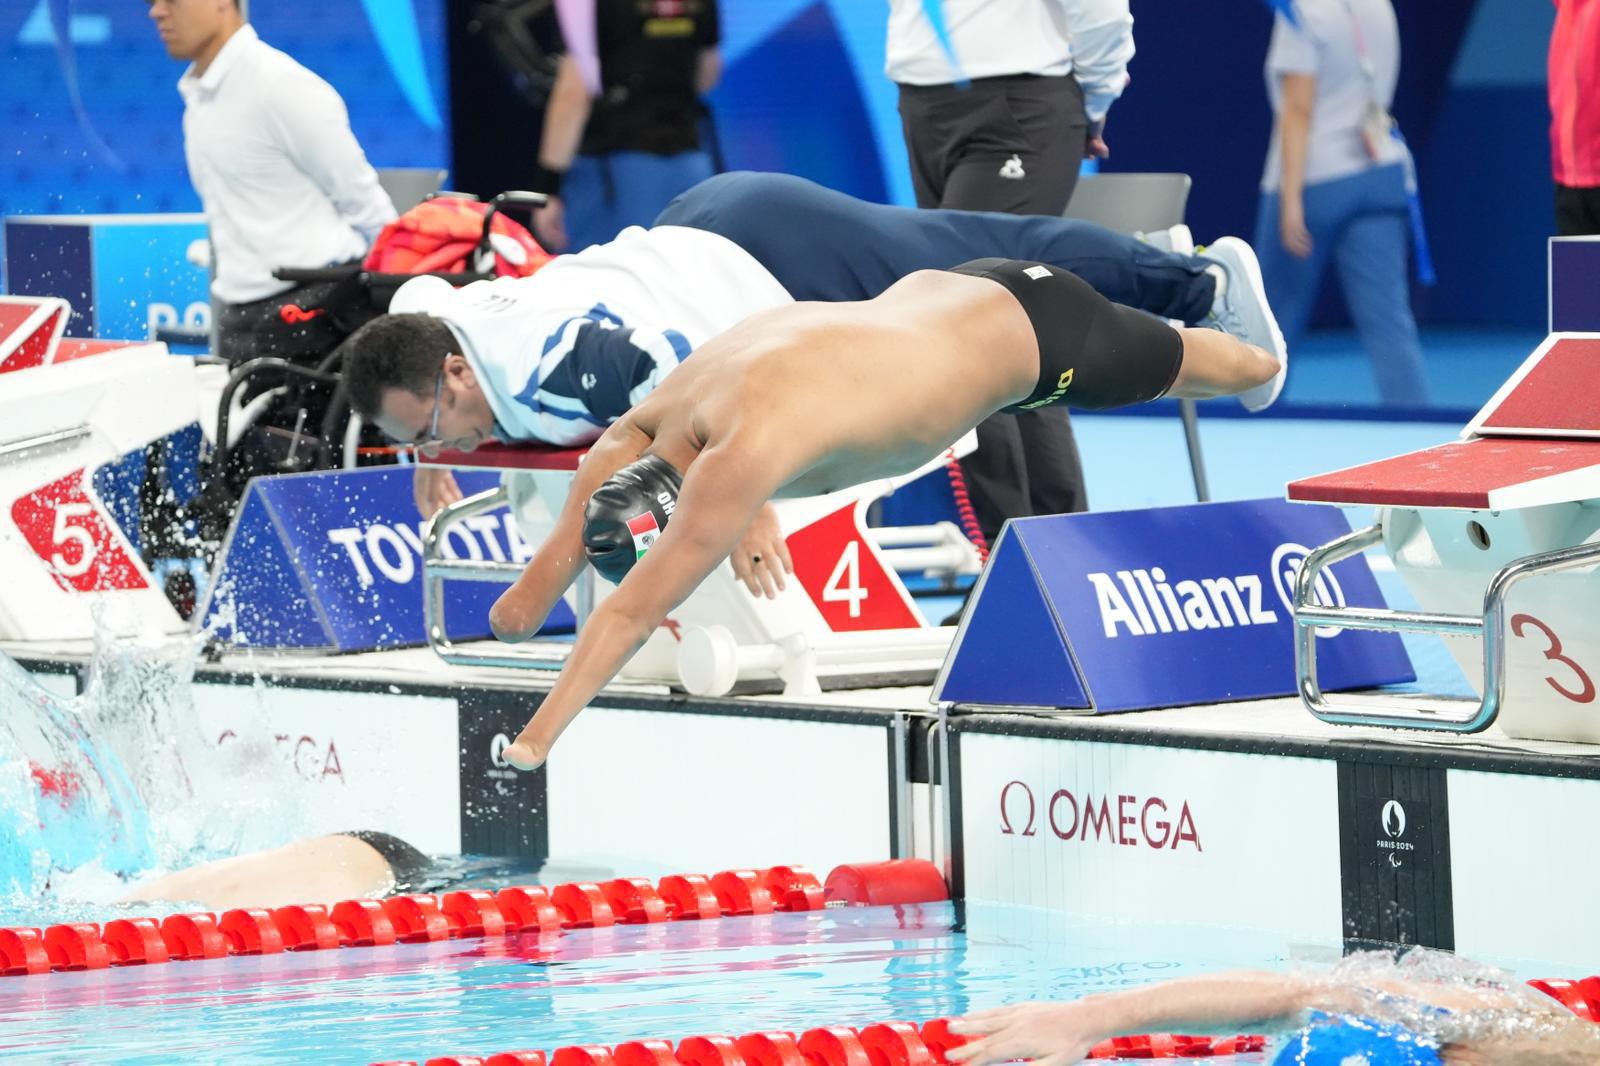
column 120, row 783
column 1465, row 1004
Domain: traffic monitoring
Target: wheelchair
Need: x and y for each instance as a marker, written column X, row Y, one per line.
column 288, row 414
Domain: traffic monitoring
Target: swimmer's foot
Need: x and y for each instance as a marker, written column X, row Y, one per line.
column 1241, row 309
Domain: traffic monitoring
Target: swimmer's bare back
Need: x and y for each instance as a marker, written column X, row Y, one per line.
column 797, row 401
column 834, row 394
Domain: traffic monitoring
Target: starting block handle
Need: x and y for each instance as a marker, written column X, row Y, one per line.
column 1405, row 712
column 437, row 568
column 23, row 445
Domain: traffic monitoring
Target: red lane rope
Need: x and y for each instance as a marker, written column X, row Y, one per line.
column 463, row 914
column 907, row 1044
column 883, row 1044
column 1581, row 997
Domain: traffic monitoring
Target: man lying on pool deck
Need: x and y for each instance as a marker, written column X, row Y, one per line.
column 558, row 356
column 814, row 397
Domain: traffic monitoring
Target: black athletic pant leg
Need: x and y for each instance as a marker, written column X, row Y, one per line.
column 961, row 141
column 1577, row 211
column 1010, row 144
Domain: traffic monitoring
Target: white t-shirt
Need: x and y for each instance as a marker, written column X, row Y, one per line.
column 563, row 353
column 1092, row 39
column 280, row 175
column 1352, row 47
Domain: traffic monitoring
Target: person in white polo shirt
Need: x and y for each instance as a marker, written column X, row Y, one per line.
column 281, row 179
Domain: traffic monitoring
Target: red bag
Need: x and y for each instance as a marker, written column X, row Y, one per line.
column 441, row 236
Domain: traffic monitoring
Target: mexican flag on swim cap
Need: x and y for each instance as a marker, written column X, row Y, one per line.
column 644, row 531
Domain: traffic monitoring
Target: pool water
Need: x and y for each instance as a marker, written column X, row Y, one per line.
column 850, row 966
column 730, row 976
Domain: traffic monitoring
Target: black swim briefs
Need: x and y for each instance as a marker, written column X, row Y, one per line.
column 413, row 871
column 1093, row 354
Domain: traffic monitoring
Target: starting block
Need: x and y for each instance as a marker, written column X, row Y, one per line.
column 67, row 408
column 1497, row 535
column 30, row 330
column 844, row 618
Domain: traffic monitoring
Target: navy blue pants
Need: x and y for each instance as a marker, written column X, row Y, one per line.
column 824, row 245
column 1359, row 224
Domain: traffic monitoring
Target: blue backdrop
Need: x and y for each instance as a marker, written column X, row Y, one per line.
column 92, row 116
column 93, row 121
column 805, row 93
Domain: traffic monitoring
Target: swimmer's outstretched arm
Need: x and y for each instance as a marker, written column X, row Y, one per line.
column 722, row 491
column 1060, row 1033
column 522, row 608
column 1057, row 1034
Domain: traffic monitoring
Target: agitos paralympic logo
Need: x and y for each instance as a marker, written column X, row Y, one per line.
column 1123, row 819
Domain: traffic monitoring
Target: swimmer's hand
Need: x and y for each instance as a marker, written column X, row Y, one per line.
column 762, row 557
column 525, row 754
column 1048, row 1034
column 434, row 488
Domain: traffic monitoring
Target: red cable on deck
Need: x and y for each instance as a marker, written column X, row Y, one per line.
column 964, row 508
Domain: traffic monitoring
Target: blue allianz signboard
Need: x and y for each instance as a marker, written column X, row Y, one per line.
column 1131, row 610
column 333, row 560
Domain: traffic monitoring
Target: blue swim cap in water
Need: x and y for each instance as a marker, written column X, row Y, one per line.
column 1346, row 1041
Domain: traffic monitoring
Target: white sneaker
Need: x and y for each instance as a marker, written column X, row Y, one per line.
column 1241, row 309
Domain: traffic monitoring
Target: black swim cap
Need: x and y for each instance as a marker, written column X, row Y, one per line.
column 627, row 513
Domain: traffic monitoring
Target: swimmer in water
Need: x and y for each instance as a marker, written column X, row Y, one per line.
column 1430, row 1010
column 814, row 397
column 362, row 864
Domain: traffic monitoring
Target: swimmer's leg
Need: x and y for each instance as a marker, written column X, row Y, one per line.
column 319, row 869
column 1216, row 364
column 1098, row 355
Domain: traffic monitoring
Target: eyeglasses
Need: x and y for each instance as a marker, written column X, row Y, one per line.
column 431, row 445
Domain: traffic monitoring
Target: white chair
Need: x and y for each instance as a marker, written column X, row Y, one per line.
column 1144, row 203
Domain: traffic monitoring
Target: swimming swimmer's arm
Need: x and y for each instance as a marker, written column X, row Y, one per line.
column 522, row 608
column 1056, row 1034
column 722, row 491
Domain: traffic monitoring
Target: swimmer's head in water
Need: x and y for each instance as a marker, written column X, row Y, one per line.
column 627, row 513
column 1332, row 1040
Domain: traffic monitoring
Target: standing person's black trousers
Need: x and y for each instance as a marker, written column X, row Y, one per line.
column 1577, row 211
column 1009, row 144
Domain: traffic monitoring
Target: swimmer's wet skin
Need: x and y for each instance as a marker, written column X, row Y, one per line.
column 791, row 403
column 1507, row 1026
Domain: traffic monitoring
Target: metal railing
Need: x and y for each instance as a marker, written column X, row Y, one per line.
column 1454, row 714
column 941, row 547
column 39, row 441
column 437, row 568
